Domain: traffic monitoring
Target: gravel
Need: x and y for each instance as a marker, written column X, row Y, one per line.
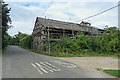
column 94, row 63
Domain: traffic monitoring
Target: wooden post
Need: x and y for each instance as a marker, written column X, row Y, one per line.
column 49, row 47
column 63, row 32
column 45, row 27
column 72, row 29
column 49, row 39
column 73, row 32
column 48, row 33
column 45, row 34
column 91, row 31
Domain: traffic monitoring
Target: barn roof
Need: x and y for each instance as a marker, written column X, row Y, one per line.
column 60, row 24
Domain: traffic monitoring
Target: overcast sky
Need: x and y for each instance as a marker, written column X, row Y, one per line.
column 23, row 14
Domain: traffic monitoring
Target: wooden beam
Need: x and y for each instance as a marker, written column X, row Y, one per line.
column 63, row 32
column 51, row 39
column 54, row 30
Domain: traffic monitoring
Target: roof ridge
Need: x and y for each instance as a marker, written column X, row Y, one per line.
column 58, row 20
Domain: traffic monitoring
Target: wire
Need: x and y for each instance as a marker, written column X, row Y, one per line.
column 99, row 13
column 47, row 8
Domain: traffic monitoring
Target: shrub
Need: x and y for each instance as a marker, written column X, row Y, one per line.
column 106, row 43
column 26, row 41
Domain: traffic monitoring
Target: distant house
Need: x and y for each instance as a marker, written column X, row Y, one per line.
column 85, row 23
column 48, row 30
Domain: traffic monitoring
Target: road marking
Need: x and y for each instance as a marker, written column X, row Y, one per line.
column 66, row 64
column 45, row 67
column 57, row 69
column 41, row 68
column 36, row 68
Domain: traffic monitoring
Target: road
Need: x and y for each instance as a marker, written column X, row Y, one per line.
column 20, row 63
column 0, row 64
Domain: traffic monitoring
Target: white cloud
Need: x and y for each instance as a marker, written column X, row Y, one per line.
column 62, row 0
column 32, row 8
column 83, row 11
column 23, row 17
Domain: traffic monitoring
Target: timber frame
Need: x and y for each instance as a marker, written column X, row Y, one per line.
column 48, row 30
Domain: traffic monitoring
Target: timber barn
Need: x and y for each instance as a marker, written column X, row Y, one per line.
column 48, row 30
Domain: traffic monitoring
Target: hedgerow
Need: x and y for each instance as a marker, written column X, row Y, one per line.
column 106, row 43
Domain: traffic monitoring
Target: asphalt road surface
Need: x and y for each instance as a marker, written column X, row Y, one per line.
column 20, row 63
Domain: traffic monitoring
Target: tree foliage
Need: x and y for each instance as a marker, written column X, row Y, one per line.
column 5, row 20
column 22, row 39
column 26, row 41
column 16, row 38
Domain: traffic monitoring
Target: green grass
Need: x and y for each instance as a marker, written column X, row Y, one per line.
column 99, row 69
column 99, row 55
column 51, row 54
column 0, row 51
column 70, row 55
column 113, row 72
column 3, row 50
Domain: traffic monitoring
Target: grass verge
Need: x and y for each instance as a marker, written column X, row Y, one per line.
column 51, row 54
column 99, row 69
column 113, row 72
column 69, row 55
column 3, row 50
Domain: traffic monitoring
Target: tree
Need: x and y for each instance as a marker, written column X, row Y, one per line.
column 26, row 41
column 18, row 37
column 5, row 20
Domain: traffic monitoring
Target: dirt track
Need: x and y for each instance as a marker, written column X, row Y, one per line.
column 91, row 63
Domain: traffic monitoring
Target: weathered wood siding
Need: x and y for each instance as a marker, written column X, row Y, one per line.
column 51, row 30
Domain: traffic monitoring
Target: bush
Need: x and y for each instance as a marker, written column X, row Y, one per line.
column 106, row 43
column 26, row 41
